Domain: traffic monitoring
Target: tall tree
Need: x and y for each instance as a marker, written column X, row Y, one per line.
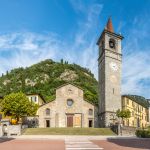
column 18, row 105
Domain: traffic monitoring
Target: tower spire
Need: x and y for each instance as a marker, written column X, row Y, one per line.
column 109, row 26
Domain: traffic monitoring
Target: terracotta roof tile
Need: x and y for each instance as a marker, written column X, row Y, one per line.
column 109, row 26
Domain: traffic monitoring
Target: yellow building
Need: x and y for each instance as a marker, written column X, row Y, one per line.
column 36, row 98
column 138, row 106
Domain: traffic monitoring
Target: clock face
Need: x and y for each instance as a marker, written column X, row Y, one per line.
column 113, row 79
column 113, row 66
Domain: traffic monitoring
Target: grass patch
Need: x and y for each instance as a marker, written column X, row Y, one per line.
column 68, row 131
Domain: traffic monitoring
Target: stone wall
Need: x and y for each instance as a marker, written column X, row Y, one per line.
column 128, row 130
column 125, row 130
column 14, row 130
column 11, row 130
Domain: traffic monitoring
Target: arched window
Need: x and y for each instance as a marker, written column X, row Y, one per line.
column 112, row 43
column 47, row 111
column 90, row 112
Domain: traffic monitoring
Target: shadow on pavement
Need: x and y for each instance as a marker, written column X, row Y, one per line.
column 5, row 139
column 133, row 143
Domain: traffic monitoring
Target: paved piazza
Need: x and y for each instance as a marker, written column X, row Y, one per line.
column 74, row 144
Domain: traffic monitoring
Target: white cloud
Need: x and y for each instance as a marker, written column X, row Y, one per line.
column 136, row 68
column 78, row 5
column 85, row 42
column 136, row 60
column 26, row 48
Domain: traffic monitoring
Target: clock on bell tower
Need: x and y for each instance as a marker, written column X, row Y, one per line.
column 109, row 70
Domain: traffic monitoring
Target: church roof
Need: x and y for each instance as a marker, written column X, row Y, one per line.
column 109, row 26
column 69, row 84
column 66, row 85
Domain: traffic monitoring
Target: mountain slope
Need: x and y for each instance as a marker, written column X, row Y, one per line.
column 46, row 76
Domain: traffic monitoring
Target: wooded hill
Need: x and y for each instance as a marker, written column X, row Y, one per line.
column 44, row 77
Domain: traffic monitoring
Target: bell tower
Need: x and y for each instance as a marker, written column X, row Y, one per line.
column 109, row 71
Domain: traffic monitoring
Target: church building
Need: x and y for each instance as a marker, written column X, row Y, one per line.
column 69, row 109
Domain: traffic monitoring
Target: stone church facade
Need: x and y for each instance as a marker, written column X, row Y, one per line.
column 69, row 109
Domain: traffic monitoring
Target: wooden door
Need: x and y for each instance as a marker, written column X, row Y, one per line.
column 69, row 120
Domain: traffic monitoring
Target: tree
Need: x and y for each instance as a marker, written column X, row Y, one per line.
column 7, row 73
column 61, row 61
column 123, row 114
column 18, row 105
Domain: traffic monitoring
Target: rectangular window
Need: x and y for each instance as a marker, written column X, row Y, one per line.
column 145, row 118
column 133, row 123
column 128, row 122
column 90, row 112
column 35, row 99
column 113, row 91
column 127, row 102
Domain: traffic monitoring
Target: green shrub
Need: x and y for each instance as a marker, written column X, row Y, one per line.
column 143, row 133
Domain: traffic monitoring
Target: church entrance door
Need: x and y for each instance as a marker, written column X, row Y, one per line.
column 69, row 120
column 47, row 123
column 90, row 123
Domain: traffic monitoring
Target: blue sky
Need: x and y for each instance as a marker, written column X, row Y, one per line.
column 34, row 30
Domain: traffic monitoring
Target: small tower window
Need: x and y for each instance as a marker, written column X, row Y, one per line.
column 112, row 43
column 47, row 111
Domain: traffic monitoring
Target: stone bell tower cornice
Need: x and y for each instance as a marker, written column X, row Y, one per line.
column 109, row 30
